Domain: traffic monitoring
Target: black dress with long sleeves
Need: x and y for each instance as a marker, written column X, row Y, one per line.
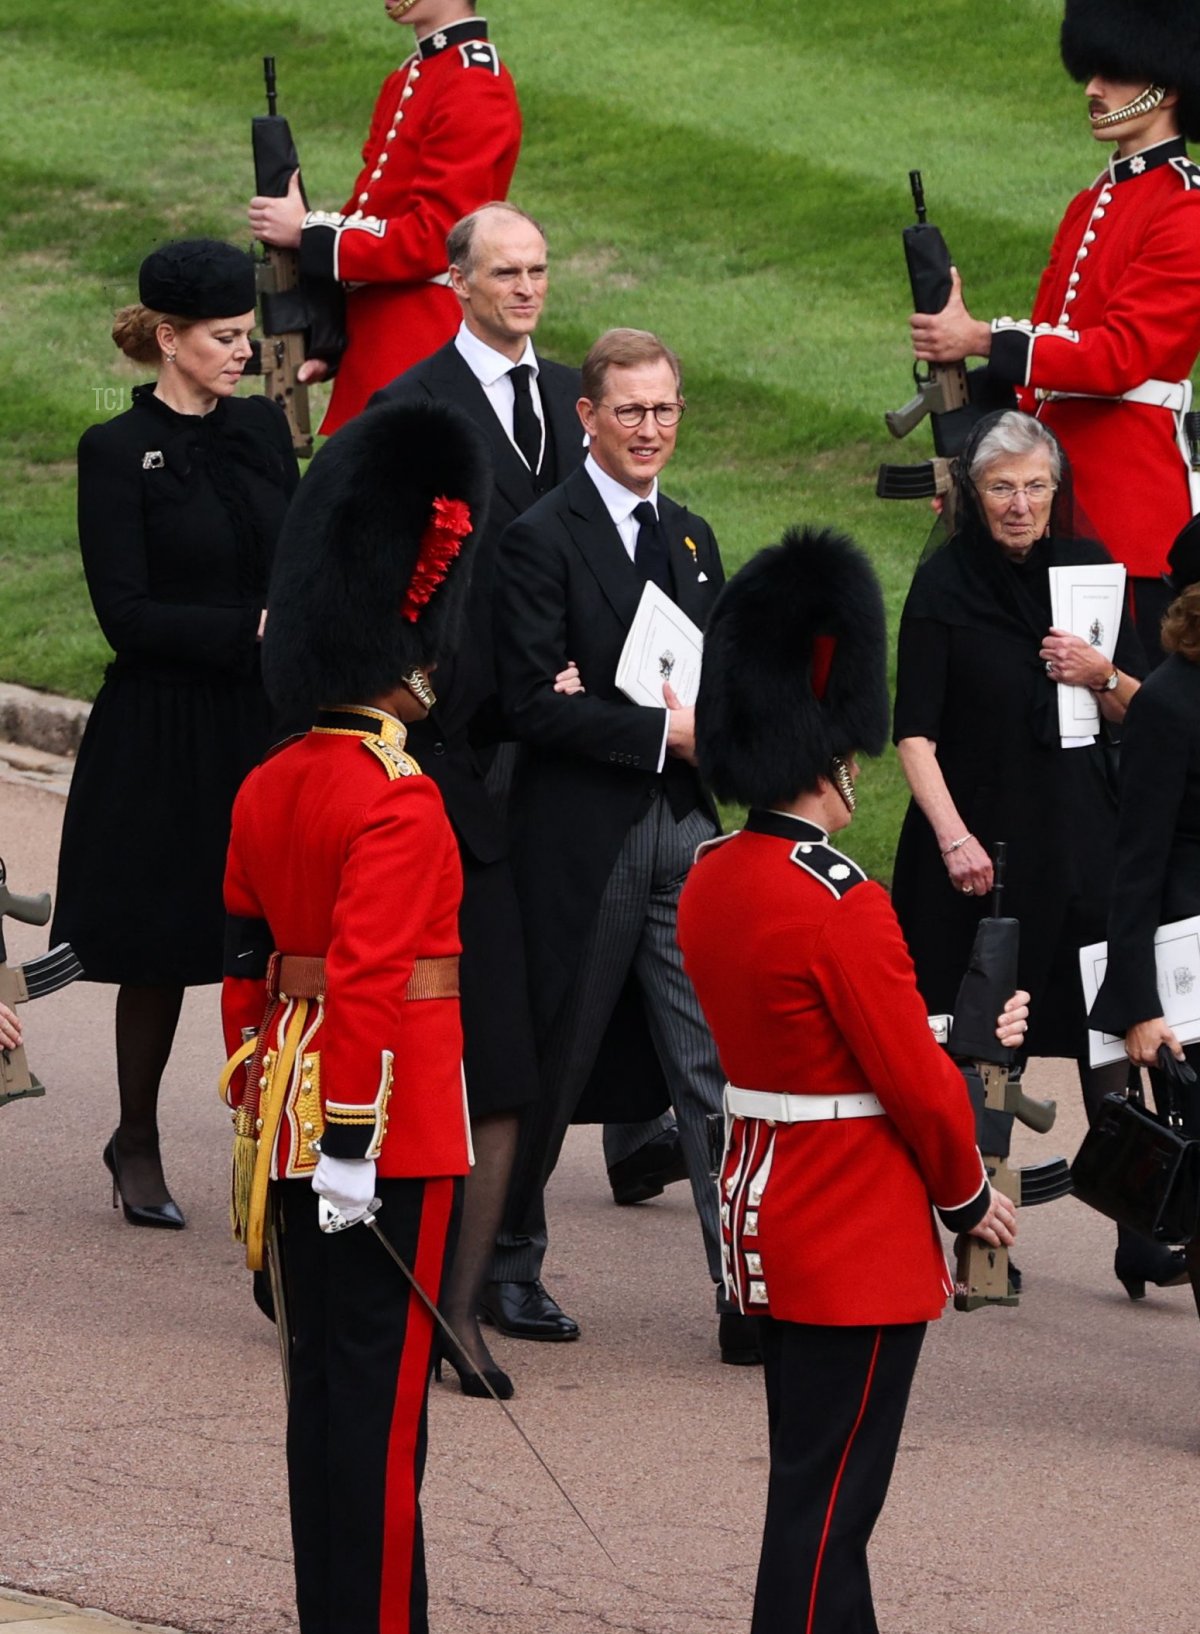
column 969, row 678
column 1157, row 878
column 178, row 517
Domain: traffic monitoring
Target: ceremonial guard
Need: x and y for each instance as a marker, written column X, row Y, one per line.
column 444, row 139
column 844, row 1119
column 1106, row 356
column 343, row 887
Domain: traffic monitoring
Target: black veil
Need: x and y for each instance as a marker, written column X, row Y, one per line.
column 965, row 579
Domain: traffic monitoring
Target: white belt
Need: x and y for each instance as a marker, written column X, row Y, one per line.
column 1173, row 395
column 760, row 1103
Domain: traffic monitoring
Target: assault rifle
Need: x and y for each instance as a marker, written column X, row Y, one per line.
column 953, row 397
column 31, row 980
column 994, row 1085
column 300, row 318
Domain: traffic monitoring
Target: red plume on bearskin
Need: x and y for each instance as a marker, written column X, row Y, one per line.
column 372, row 567
column 795, row 669
column 1138, row 42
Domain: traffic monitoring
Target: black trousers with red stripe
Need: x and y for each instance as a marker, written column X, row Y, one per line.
column 836, row 1399
column 361, row 1352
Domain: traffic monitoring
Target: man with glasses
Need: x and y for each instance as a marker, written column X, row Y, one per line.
column 1106, row 356
column 607, row 806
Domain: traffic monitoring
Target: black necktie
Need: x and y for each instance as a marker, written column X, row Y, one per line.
column 650, row 552
column 527, row 428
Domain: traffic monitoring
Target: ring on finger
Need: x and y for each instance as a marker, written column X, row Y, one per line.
column 968, row 890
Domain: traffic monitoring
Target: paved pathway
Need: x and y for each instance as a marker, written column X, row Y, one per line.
column 1048, row 1482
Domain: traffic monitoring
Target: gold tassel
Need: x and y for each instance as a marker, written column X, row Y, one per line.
column 245, row 1151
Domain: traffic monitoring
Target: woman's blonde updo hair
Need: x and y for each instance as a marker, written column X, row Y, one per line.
column 1181, row 627
column 135, row 327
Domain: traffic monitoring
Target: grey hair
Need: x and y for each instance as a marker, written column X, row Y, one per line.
column 1015, row 433
column 460, row 240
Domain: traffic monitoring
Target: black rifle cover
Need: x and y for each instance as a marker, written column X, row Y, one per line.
column 990, row 981
column 317, row 306
column 928, row 266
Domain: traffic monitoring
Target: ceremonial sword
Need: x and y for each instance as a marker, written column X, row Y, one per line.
column 331, row 1220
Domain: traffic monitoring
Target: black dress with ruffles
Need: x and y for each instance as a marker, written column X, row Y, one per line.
column 969, row 678
column 178, row 517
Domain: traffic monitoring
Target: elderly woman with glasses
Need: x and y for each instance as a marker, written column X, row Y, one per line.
column 977, row 732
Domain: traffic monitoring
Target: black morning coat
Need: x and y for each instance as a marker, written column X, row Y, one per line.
column 452, row 745
column 566, row 588
column 1157, row 878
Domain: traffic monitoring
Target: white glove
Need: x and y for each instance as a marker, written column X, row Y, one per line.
column 347, row 1186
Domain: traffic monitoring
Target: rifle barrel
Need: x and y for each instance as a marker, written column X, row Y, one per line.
column 269, row 77
column 999, row 859
column 918, row 193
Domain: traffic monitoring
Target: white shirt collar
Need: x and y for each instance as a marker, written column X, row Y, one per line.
column 485, row 362
column 619, row 500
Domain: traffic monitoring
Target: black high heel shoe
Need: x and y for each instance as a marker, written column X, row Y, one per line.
column 1136, row 1264
column 468, row 1380
column 166, row 1216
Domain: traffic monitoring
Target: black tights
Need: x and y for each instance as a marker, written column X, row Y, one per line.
column 146, row 1021
column 494, row 1139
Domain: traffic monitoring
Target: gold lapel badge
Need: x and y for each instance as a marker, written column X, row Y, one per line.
column 691, row 545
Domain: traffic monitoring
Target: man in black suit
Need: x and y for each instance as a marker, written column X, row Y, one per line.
column 607, row 808
column 525, row 407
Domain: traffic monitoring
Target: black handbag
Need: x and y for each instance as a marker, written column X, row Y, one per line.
column 1141, row 1170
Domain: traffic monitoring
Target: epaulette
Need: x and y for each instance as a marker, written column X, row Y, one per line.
column 836, row 872
column 1188, row 171
column 393, row 760
column 480, row 54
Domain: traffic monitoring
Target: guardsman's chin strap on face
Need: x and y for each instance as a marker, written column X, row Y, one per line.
column 1145, row 102
column 839, row 776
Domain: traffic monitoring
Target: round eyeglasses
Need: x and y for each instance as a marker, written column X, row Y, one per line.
column 1005, row 492
column 632, row 414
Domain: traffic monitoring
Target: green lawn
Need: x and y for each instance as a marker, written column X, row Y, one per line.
column 735, row 178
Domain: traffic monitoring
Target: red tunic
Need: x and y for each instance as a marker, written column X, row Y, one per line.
column 1118, row 305
column 803, row 974
column 349, row 858
column 444, row 139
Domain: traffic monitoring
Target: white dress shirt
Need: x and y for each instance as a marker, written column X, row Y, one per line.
column 620, row 503
column 491, row 369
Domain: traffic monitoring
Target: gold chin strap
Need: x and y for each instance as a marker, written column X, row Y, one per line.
column 417, row 683
column 1145, row 103
column 396, row 12
column 839, row 776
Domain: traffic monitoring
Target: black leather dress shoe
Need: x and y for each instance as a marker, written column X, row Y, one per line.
column 737, row 1336
column 524, row 1310
column 645, row 1173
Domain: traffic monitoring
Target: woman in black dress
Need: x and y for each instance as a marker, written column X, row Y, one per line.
column 180, row 501
column 976, row 728
column 1157, row 876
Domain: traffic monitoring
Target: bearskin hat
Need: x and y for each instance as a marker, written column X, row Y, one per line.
column 372, row 566
column 1155, row 42
column 1183, row 558
column 795, row 669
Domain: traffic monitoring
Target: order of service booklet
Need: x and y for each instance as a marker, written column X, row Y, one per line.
column 663, row 645
column 1177, row 967
column 1086, row 600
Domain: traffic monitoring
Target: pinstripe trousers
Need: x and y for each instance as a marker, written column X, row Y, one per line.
column 634, row 929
